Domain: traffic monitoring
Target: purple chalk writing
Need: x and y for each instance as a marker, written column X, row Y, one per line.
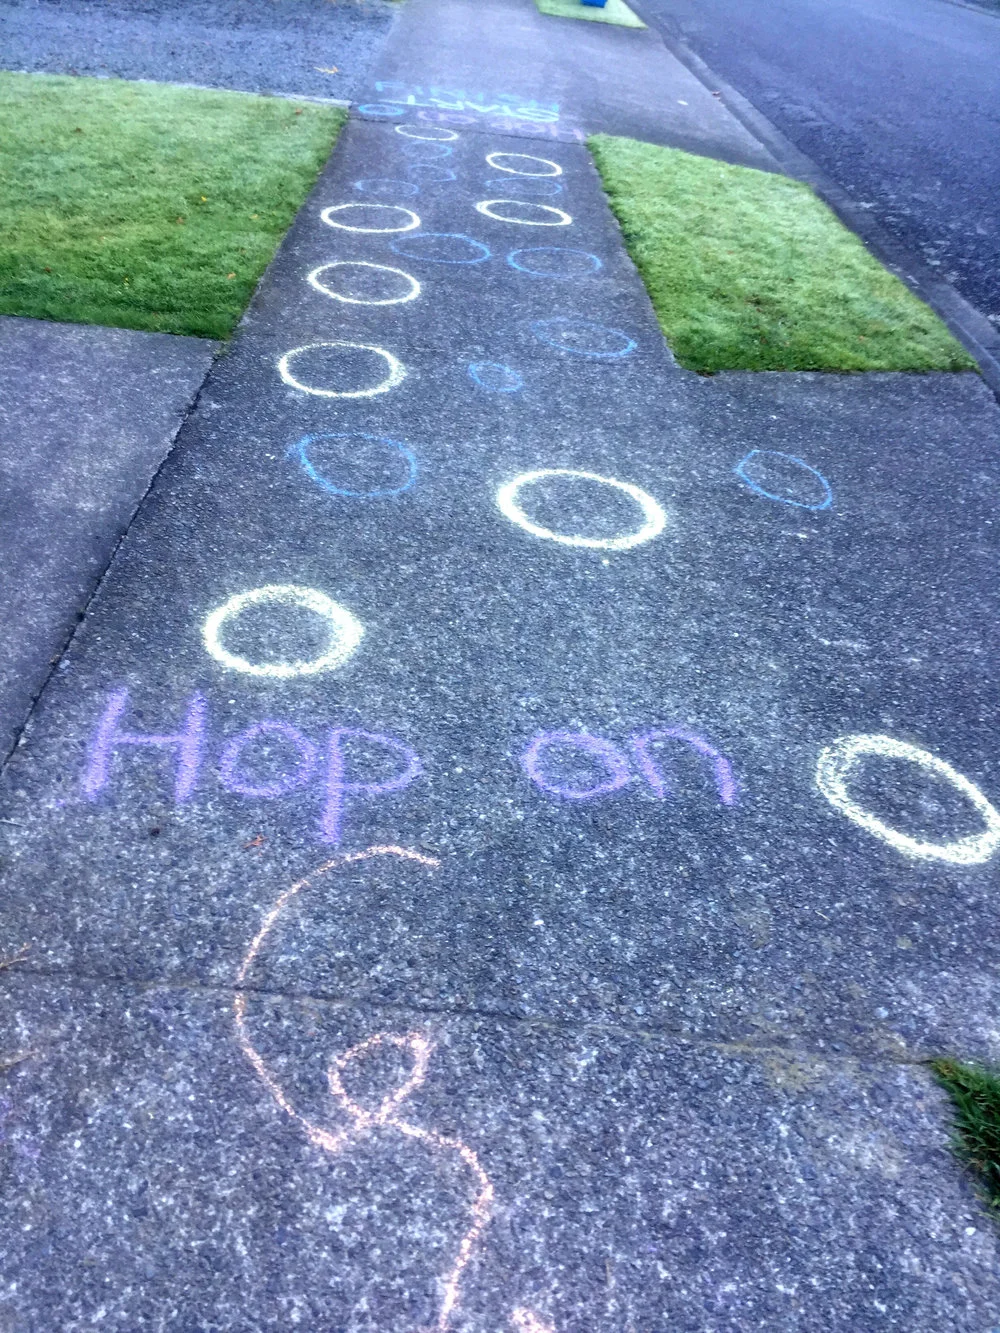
column 606, row 755
column 109, row 737
column 337, row 788
column 229, row 771
column 722, row 769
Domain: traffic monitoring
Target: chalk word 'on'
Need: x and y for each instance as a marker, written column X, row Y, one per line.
column 838, row 764
column 654, row 519
column 326, row 767
column 345, row 631
column 614, row 769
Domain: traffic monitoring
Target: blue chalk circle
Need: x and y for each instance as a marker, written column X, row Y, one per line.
column 783, row 477
column 583, row 338
column 380, row 109
column 425, row 149
column 387, row 189
column 532, row 186
column 430, row 171
column 441, row 247
column 555, row 261
column 395, row 461
column 495, row 378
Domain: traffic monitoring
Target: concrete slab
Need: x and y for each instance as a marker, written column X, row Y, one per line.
column 623, row 1180
column 302, row 47
column 86, row 417
column 502, row 65
column 577, row 802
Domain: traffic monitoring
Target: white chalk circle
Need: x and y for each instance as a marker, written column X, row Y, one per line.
column 396, row 375
column 431, row 133
column 317, row 275
column 345, row 631
column 491, row 158
column 655, row 518
column 331, row 221
column 487, row 206
column 837, row 764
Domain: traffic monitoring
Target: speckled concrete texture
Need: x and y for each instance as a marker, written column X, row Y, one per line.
column 319, row 48
column 637, row 1182
column 86, row 417
column 528, row 924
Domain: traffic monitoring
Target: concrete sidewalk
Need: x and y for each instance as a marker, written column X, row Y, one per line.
column 452, row 934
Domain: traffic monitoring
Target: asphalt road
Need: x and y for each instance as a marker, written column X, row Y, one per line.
column 896, row 100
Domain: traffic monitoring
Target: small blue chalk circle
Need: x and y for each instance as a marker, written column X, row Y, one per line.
column 475, row 252
column 752, row 469
column 605, row 344
column 300, row 451
column 588, row 264
column 493, row 377
column 384, row 188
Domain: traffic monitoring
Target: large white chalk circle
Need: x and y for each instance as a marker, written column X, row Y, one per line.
column 431, row 133
column 328, row 217
column 555, row 217
column 491, row 158
column 318, row 275
column 396, row 375
column 655, row 519
column 346, row 631
column 837, row 764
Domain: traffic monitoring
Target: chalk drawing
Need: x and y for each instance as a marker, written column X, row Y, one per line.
column 494, row 377
column 603, row 752
column 654, row 518
column 301, row 451
column 328, row 217
column 838, row 763
column 423, row 150
column 229, row 761
column 109, row 736
column 583, row 338
column 344, row 747
column 430, row 172
column 396, row 375
column 386, row 186
column 387, row 109
column 431, row 133
column 492, row 159
column 364, row 1123
column 318, row 274
column 754, row 469
column 488, row 208
column 722, row 769
column 403, row 96
column 345, row 631
column 521, row 185
column 429, row 245
column 584, row 265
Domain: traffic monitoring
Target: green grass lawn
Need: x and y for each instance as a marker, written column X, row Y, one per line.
column 975, row 1094
column 751, row 271
column 147, row 206
column 615, row 11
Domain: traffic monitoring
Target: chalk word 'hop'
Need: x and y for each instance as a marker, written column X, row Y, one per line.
column 302, row 762
column 839, row 763
column 550, row 753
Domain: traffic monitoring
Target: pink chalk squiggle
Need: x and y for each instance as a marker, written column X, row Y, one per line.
column 420, row 1048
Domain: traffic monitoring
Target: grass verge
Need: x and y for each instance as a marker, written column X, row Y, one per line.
column 751, row 271
column 975, row 1094
column 615, row 11
column 147, row 206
